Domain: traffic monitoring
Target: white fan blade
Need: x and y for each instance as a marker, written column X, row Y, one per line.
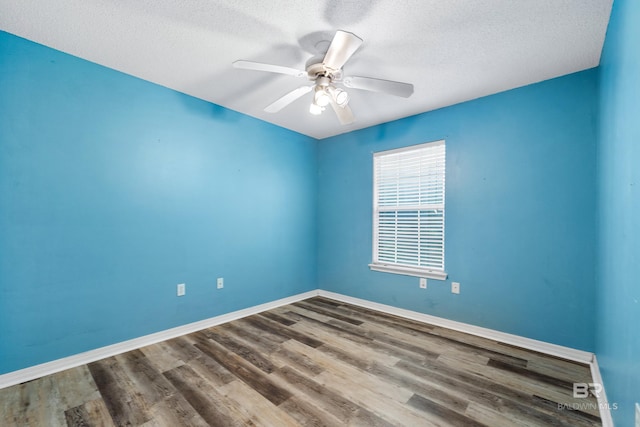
column 259, row 66
column 345, row 115
column 287, row 99
column 342, row 46
column 404, row 90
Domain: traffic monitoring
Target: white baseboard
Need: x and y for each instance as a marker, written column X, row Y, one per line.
column 528, row 343
column 603, row 402
column 37, row 371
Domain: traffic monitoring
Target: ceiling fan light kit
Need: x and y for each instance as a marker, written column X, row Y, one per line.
column 315, row 109
column 326, row 72
column 340, row 96
column 321, row 97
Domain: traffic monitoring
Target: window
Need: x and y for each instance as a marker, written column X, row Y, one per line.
column 408, row 210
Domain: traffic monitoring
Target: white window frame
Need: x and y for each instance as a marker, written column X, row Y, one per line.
column 413, row 268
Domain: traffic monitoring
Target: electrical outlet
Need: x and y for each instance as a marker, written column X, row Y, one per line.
column 181, row 289
column 455, row 287
column 423, row 283
column 220, row 283
column 637, row 414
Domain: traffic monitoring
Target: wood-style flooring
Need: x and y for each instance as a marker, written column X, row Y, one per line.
column 312, row 363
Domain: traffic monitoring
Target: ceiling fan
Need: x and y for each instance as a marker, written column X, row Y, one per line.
column 325, row 71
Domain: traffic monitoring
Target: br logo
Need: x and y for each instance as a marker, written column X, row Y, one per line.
column 581, row 390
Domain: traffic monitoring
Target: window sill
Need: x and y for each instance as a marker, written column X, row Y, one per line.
column 409, row 271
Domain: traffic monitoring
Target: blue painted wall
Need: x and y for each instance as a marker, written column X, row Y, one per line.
column 618, row 296
column 113, row 190
column 520, row 211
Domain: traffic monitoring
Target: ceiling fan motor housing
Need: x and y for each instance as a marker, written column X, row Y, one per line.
column 316, row 70
column 323, row 81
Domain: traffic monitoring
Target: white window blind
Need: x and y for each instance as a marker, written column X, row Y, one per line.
column 408, row 209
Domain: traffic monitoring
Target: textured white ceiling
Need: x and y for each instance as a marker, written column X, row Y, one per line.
column 451, row 50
